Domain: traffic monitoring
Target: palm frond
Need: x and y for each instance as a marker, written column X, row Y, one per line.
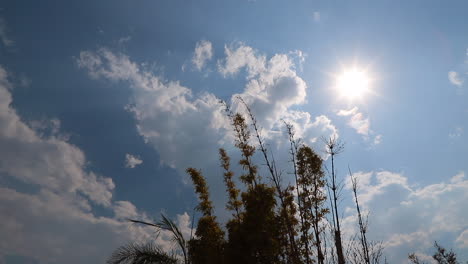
column 143, row 223
column 141, row 254
column 168, row 225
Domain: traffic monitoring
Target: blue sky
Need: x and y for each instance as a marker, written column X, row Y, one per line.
column 103, row 104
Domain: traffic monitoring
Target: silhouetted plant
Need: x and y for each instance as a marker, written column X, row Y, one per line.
column 311, row 184
column 234, row 204
column 208, row 245
column 287, row 208
column 441, row 256
column 335, row 147
column 444, row 257
column 141, row 254
column 363, row 254
column 304, row 239
column 168, row 225
column 271, row 221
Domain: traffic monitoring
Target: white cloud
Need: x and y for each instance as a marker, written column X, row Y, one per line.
column 124, row 40
column 361, row 124
column 203, row 53
column 462, row 239
column 54, row 228
column 239, row 57
column 273, row 88
column 60, row 164
column 55, row 221
column 455, row 78
column 458, row 178
column 188, row 129
column 299, row 57
column 51, row 228
column 273, row 85
column 184, row 222
column 4, row 37
column 409, row 218
column 185, row 129
column 377, row 139
column 132, row 161
column 308, row 128
column 357, row 120
column 124, row 210
column 383, row 180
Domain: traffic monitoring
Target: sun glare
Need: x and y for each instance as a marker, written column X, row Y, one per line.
column 352, row 84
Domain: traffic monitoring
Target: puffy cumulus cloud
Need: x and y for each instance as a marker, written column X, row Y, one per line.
column 125, row 210
column 360, row 123
column 186, row 129
column 409, row 218
column 54, row 221
column 455, row 78
column 61, row 165
column 273, row 85
column 372, row 184
column 308, row 128
column 240, row 57
column 53, row 228
column 132, row 161
column 274, row 91
column 182, row 128
column 203, row 53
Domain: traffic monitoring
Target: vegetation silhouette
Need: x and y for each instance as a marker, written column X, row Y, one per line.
column 271, row 221
column 441, row 256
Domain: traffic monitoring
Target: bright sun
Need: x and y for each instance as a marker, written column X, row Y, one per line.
column 352, row 84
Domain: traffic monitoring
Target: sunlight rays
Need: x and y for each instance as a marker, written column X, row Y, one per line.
column 353, row 84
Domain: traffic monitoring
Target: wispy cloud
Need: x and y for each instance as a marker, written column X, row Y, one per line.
column 124, row 40
column 455, row 78
column 203, row 53
column 360, row 123
column 316, row 16
column 456, row 133
column 462, row 239
column 357, row 120
column 4, row 36
column 377, row 139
